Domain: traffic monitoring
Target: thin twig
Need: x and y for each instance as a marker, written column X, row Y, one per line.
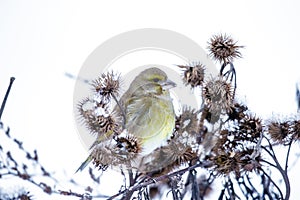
column 277, row 187
column 269, row 163
column 128, row 194
column 287, row 156
column 6, row 96
column 158, row 179
column 282, row 171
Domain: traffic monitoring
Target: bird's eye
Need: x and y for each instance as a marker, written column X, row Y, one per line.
column 155, row 80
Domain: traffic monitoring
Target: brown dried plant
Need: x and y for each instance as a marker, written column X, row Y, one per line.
column 222, row 139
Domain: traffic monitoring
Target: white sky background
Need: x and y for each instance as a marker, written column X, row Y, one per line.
column 40, row 41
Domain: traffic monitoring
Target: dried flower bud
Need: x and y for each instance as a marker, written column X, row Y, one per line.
column 129, row 144
column 183, row 156
column 295, row 125
column 218, row 95
column 249, row 128
column 223, row 48
column 104, row 156
column 237, row 112
column 226, row 163
column 87, row 107
column 117, row 151
column 167, row 158
column 247, row 131
column 193, row 75
column 101, row 124
column 279, row 131
column 107, row 85
column 187, row 121
column 222, row 143
column 97, row 118
column 236, row 162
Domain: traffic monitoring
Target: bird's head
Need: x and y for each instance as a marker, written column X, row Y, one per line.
column 152, row 80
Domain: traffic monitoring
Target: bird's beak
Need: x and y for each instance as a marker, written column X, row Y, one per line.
column 168, row 84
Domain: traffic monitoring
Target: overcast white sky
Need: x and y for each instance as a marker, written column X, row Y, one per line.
column 40, row 41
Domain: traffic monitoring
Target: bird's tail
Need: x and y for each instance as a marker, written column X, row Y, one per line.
column 84, row 164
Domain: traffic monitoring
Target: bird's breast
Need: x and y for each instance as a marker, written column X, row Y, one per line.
column 151, row 120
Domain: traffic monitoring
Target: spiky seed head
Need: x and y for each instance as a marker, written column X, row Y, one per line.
column 173, row 154
column 183, row 156
column 295, row 125
column 222, row 142
column 193, row 75
column 102, row 124
column 226, row 163
column 129, row 144
column 237, row 112
column 103, row 156
column 250, row 128
column 236, row 162
column 223, row 48
column 218, row 95
column 187, row 121
column 97, row 119
column 248, row 162
column 279, row 131
column 107, row 85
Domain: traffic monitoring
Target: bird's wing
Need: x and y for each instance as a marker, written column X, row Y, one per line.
column 137, row 113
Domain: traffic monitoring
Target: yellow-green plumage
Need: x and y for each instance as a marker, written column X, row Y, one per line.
column 151, row 119
column 148, row 109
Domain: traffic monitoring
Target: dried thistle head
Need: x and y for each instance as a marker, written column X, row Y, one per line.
column 107, row 85
column 87, row 106
column 225, row 163
column 102, row 124
column 108, row 124
column 237, row 112
column 104, row 156
column 249, row 162
column 279, row 131
column 206, row 114
column 247, row 131
column 97, row 119
column 250, row 128
column 223, row 48
column 122, row 151
column 236, row 162
column 223, row 144
column 218, row 95
column 193, row 75
column 295, row 125
column 181, row 149
column 187, row 121
column 180, row 153
column 129, row 144
column 168, row 158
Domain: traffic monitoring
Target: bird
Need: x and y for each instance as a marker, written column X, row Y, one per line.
column 148, row 109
